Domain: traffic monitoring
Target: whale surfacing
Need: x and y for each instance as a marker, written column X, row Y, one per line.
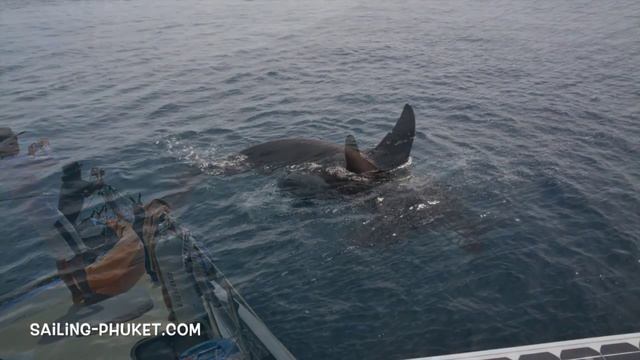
column 393, row 151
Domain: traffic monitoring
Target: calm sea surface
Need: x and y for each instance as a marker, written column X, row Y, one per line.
column 527, row 112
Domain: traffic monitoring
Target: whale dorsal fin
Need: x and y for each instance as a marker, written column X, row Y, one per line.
column 395, row 148
column 351, row 143
column 356, row 163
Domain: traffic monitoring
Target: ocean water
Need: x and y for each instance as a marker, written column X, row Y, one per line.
column 528, row 117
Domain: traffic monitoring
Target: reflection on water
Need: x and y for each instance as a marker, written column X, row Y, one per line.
column 102, row 250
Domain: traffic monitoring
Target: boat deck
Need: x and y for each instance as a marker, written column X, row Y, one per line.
column 51, row 304
column 616, row 347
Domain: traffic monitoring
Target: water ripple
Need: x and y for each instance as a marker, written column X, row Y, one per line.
column 527, row 117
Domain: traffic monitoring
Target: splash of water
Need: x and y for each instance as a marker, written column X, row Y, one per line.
column 208, row 160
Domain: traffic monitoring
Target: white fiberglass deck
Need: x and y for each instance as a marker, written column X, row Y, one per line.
column 616, row 347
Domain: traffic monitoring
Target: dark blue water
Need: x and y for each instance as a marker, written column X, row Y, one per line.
column 527, row 114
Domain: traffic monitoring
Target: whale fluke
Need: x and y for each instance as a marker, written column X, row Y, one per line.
column 355, row 162
column 395, row 147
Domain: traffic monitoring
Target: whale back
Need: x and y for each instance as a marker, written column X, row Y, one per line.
column 285, row 152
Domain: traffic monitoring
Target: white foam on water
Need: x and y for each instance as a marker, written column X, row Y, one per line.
column 208, row 160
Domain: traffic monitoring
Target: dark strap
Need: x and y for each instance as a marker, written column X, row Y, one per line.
column 138, row 225
column 67, row 237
